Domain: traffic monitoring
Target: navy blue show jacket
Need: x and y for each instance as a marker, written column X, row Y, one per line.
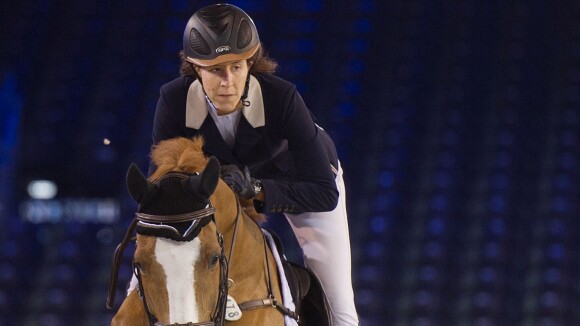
column 276, row 138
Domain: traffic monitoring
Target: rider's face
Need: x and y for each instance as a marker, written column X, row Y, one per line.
column 224, row 84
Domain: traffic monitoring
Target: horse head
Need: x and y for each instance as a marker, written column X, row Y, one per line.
column 179, row 250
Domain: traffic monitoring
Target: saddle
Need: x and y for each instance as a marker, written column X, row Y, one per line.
column 309, row 297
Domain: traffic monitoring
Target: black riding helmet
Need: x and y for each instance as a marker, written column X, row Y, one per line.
column 219, row 33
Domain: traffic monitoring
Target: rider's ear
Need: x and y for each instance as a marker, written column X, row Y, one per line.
column 141, row 190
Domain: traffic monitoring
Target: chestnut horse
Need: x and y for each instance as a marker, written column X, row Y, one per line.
column 183, row 267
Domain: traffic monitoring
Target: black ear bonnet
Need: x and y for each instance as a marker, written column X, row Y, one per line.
column 168, row 198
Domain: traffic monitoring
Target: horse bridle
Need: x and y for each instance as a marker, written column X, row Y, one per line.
column 198, row 218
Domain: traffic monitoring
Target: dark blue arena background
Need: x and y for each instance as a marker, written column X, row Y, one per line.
column 457, row 124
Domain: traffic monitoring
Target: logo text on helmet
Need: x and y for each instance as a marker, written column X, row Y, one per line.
column 223, row 48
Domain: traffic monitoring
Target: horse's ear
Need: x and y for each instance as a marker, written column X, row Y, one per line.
column 210, row 175
column 139, row 188
column 204, row 185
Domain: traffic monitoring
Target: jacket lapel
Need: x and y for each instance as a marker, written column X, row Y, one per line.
column 214, row 144
column 251, row 125
column 197, row 117
column 246, row 139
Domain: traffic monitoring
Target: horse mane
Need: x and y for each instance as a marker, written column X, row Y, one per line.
column 186, row 155
column 178, row 155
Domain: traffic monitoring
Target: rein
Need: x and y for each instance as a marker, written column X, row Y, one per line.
column 270, row 301
column 117, row 262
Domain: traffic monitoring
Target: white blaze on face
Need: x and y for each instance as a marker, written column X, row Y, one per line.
column 178, row 260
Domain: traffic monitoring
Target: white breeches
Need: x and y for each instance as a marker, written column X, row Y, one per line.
column 325, row 242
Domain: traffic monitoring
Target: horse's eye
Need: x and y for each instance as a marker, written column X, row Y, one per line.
column 214, row 260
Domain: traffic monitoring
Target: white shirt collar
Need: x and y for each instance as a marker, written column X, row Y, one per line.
column 227, row 125
column 196, row 108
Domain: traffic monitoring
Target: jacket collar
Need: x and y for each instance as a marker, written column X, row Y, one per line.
column 197, row 106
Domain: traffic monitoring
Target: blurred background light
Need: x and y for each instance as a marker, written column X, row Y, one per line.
column 42, row 189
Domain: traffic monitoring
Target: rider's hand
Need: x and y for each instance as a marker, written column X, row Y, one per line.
column 241, row 182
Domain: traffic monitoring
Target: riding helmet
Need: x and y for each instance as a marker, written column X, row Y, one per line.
column 219, row 33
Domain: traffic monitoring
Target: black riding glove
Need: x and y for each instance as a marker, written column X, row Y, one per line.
column 241, row 183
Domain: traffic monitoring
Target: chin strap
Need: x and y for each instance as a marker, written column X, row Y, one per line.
column 246, row 90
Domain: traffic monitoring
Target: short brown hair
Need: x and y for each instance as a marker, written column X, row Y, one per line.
column 261, row 64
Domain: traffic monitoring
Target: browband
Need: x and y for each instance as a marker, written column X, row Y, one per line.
column 149, row 218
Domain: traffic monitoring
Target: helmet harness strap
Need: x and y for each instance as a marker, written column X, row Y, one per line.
column 246, row 90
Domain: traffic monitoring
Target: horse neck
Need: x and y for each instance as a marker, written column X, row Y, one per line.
column 231, row 219
column 248, row 263
column 248, row 242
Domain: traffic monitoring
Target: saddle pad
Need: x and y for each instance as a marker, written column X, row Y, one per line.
column 286, row 295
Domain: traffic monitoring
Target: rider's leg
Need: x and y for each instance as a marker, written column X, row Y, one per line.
column 325, row 241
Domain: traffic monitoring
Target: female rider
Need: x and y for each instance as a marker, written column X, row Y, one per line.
column 258, row 125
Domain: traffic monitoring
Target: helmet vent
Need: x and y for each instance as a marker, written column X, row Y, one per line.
column 244, row 34
column 197, row 43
